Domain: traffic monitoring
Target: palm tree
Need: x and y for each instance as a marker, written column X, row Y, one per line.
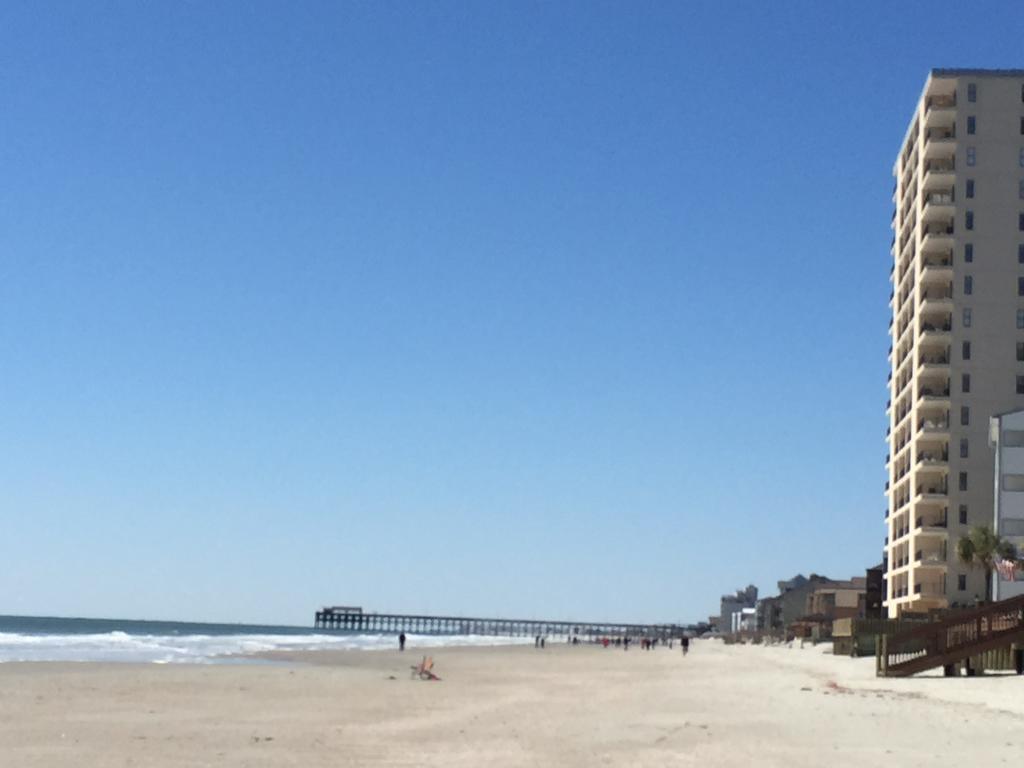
column 980, row 548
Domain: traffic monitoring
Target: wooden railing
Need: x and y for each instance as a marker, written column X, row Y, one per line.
column 951, row 640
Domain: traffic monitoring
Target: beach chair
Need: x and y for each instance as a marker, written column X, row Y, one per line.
column 425, row 669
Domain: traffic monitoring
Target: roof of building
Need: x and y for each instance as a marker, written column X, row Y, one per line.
column 797, row 581
column 957, row 72
column 1007, row 413
column 857, row 582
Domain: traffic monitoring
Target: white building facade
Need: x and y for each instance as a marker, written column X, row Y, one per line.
column 1006, row 436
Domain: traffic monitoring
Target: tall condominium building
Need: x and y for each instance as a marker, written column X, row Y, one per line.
column 957, row 326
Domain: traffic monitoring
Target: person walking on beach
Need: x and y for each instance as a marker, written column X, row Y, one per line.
column 685, row 642
column 401, row 642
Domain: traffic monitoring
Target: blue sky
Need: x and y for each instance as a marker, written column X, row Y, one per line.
column 561, row 310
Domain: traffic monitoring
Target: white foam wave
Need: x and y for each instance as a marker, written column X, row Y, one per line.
column 206, row 649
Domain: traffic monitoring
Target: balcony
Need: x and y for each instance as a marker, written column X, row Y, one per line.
column 938, row 230
column 936, row 299
column 932, row 458
column 932, row 525
column 940, row 143
column 940, row 321
column 932, row 492
column 934, row 428
column 939, row 109
column 936, row 331
column 929, row 591
column 930, row 559
column 937, row 204
column 936, row 357
column 933, row 394
column 939, row 171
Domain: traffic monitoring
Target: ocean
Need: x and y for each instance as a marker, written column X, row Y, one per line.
column 36, row 638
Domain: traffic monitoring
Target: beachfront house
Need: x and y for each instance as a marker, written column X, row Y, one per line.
column 744, row 620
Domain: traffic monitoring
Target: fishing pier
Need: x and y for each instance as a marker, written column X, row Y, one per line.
column 353, row 619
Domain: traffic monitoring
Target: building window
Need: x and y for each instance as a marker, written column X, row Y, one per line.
column 971, row 124
column 968, row 285
column 967, row 317
column 972, row 92
column 963, row 447
column 965, row 383
column 1020, row 253
column 965, row 350
column 969, row 252
column 972, row 157
column 969, row 220
column 969, row 191
column 1020, row 158
column 1022, row 126
column 961, row 582
column 1020, row 222
column 1020, row 351
column 1020, row 286
column 963, row 514
column 1020, row 319
column 1020, row 385
column 965, row 416
column 963, row 481
column 1022, row 93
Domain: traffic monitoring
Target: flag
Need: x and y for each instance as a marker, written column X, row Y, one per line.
column 1005, row 568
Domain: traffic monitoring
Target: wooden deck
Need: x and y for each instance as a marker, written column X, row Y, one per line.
column 952, row 640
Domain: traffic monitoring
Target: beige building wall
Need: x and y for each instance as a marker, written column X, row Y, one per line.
column 959, row 198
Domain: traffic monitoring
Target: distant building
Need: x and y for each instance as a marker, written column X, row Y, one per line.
column 1006, row 437
column 828, row 602
column 793, row 597
column 744, row 620
column 838, row 599
column 769, row 615
column 730, row 604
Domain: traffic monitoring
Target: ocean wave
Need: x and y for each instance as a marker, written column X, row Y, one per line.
column 120, row 646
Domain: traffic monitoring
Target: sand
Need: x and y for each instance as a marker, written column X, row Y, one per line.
column 510, row 706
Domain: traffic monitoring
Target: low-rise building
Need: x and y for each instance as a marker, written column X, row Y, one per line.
column 744, row 620
column 793, row 597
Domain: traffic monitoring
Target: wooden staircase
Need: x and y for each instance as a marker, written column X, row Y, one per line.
column 952, row 640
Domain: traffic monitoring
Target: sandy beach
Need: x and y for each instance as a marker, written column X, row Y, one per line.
column 507, row 706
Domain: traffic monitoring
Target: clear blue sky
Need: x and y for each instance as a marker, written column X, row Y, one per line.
column 562, row 310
